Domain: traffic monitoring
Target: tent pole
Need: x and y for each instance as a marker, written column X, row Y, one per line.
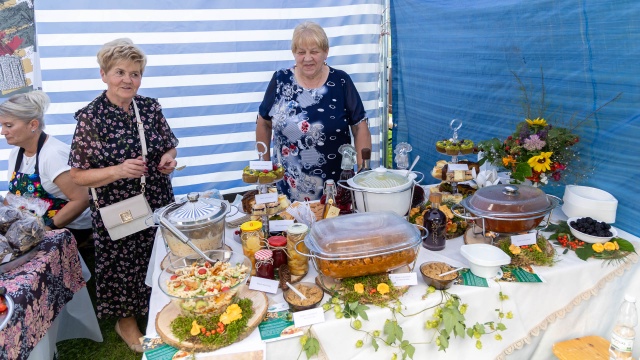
column 385, row 67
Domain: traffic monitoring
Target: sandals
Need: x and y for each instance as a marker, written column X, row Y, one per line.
column 134, row 347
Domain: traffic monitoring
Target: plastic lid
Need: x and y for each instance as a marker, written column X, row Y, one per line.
column 509, row 200
column 251, row 226
column 630, row 298
column 361, row 235
column 264, row 254
column 198, row 211
column 277, row 241
column 297, row 229
column 379, row 178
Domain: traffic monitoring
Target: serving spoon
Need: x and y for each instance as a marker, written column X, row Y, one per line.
column 451, row 271
column 415, row 161
column 292, row 288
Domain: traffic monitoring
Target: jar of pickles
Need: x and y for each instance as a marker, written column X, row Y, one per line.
column 264, row 264
column 298, row 264
column 251, row 236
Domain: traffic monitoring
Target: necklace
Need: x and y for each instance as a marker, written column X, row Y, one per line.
column 307, row 85
column 27, row 160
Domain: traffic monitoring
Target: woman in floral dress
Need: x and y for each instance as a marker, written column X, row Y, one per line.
column 310, row 109
column 106, row 154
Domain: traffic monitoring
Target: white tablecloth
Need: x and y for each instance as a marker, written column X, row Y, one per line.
column 76, row 320
column 579, row 298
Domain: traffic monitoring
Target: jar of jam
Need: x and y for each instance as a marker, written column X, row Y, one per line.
column 278, row 244
column 264, row 264
column 298, row 264
column 251, row 236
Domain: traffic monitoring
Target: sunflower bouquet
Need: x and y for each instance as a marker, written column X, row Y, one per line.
column 536, row 151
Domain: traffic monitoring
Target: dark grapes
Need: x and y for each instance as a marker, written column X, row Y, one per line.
column 592, row 227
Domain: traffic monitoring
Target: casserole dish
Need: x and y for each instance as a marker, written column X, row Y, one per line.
column 362, row 244
column 509, row 208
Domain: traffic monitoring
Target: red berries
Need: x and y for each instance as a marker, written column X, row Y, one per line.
column 265, row 171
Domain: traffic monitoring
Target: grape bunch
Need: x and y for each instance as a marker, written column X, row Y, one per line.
column 592, row 227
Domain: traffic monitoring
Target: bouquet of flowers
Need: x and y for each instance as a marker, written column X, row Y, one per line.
column 536, row 151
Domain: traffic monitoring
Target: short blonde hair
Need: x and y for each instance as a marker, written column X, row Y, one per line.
column 120, row 50
column 26, row 107
column 309, row 32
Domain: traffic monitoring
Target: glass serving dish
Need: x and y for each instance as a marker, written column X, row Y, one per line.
column 198, row 287
column 362, row 244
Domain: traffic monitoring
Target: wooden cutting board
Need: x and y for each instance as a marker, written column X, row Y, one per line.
column 588, row 347
column 170, row 312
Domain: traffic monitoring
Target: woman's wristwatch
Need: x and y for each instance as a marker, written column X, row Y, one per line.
column 49, row 222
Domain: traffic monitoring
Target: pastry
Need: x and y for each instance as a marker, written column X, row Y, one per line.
column 284, row 201
column 453, row 149
column 259, row 209
column 248, row 199
column 266, row 177
column 441, row 146
column 249, row 175
column 273, row 208
column 466, row 147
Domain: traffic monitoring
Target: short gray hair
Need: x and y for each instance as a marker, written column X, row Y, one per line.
column 26, row 107
column 120, row 50
column 309, row 31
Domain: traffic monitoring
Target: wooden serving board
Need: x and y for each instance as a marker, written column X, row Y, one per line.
column 588, row 347
column 166, row 261
column 170, row 312
column 330, row 285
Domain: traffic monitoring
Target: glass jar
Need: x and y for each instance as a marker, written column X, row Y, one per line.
column 251, row 236
column 264, row 264
column 278, row 244
column 298, row 264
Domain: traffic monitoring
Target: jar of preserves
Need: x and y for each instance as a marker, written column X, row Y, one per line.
column 298, row 264
column 251, row 236
column 278, row 244
column 264, row 264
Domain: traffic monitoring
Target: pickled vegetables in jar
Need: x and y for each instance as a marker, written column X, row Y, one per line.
column 298, row 264
column 251, row 236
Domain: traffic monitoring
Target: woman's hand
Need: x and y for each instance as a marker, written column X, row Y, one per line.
column 132, row 168
column 168, row 163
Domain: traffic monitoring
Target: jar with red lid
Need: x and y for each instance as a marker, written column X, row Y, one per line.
column 278, row 244
column 264, row 264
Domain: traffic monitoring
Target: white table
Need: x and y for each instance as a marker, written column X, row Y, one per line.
column 579, row 298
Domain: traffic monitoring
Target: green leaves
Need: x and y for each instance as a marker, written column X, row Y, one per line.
column 311, row 347
column 393, row 331
column 624, row 244
column 585, row 252
column 355, row 309
column 407, row 349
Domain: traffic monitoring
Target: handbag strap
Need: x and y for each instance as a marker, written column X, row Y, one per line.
column 143, row 143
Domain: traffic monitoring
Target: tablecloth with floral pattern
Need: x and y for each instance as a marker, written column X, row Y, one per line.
column 40, row 289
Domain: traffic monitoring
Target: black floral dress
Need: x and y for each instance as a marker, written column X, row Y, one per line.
column 106, row 136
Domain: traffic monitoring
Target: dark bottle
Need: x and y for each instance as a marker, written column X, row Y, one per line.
column 366, row 160
column 343, row 196
column 436, row 223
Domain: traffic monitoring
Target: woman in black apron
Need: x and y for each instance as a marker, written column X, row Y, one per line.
column 37, row 166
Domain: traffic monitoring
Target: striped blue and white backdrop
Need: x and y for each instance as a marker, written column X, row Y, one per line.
column 209, row 63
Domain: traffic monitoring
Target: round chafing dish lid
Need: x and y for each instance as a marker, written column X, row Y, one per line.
column 509, row 199
column 196, row 210
column 380, row 178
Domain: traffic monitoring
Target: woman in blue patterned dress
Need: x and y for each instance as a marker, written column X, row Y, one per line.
column 106, row 155
column 310, row 109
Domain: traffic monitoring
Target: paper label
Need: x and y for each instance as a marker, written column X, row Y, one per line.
column 404, row 279
column 525, row 239
column 279, row 225
column 454, row 167
column 264, row 285
column 261, row 165
column 278, row 324
column 333, row 211
column 266, row 198
column 308, row 317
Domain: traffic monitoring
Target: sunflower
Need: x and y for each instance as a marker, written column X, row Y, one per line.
column 537, row 122
column 542, row 162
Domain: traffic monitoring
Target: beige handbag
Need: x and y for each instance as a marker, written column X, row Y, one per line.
column 128, row 216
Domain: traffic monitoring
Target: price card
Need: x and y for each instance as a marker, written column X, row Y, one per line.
column 454, row 167
column 525, row 239
column 266, row 198
column 261, row 165
column 279, row 225
column 404, row 279
column 264, row 285
column 308, row 317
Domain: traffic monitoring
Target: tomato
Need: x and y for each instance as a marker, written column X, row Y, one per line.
column 224, row 288
column 207, row 264
column 202, row 271
column 3, row 307
column 173, row 277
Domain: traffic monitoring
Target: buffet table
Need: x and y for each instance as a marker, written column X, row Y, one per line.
column 51, row 300
column 578, row 298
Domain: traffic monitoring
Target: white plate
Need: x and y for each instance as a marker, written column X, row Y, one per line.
column 590, row 238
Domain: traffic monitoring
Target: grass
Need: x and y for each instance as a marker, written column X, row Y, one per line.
column 112, row 347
